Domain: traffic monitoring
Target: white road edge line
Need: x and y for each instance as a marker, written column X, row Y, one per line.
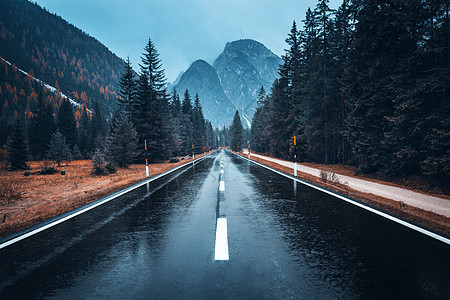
column 380, row 213
column 107, row 199
column 221, row 250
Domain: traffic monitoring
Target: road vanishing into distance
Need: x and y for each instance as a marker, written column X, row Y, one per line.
column 245, row 232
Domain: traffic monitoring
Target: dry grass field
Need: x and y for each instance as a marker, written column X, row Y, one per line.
column 46, row 196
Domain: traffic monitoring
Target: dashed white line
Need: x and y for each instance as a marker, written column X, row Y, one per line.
column 222, row 186
column 221, row 251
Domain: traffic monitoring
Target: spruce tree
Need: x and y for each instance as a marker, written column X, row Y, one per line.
column 66, row 122
column 372, row 60
column 58, row 149
column 97, row 128
column 84, row 137
column 175, row 106
column 127, row 89
column 236, row 135
column 41, row 129
column 150, row 114
column 175, row 124
column 123, row 142
column 187, row 130
column 210, row 138
column 18, row 148
column 259, row 131
column 261, row 98
column 198, row 121
column 186, row 106
column 434, row 88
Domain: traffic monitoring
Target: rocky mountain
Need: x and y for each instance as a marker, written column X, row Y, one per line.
column 202, row 78
column 243, row 67
column 234, row 81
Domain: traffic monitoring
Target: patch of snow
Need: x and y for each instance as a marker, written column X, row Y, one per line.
column 248, row 122
column 47, row 86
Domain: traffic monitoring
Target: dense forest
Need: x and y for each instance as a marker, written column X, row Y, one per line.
column 146, row 114
column 366, row 84
column 38, row 123
column 48, row 48
column 171, row 126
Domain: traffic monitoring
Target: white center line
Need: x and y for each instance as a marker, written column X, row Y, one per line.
column 222, row 186
column 221, row 252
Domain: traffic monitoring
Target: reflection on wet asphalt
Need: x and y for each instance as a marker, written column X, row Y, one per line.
column 285, row 240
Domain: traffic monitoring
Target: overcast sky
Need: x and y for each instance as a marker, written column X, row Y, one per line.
column 182, row 30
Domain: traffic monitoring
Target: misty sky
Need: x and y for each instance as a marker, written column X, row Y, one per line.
column 183, row 31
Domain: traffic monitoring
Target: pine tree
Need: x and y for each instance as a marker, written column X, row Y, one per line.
column 127, row 89
column 175, row 124
column 259, row 131
column 66, row 122
column 175, row 106
column 58, row 149
column 115, row 119
column 84, row 137
column 198, row 121
column 18, row 148
column 236, row 135
column 41, row 128
column 99, row 163
column 340, row 44
column 210, row 138
column 123, row 142
column 150, row 114
column 97, row 128
column 187, row 130
column 261, row 98
column 151, row 63
column 186, row 106
column 372, row 60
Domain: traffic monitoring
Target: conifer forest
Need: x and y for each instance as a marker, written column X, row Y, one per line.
column 366, row 84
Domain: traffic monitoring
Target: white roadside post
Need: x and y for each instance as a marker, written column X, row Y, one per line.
column 146, row 159
column 295, row 156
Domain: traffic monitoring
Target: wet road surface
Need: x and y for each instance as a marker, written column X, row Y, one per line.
column 285, row 240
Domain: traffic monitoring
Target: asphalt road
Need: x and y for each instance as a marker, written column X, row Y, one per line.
column 275, row 239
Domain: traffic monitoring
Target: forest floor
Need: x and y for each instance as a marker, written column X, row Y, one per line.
column 41, row 197
column 425, row 218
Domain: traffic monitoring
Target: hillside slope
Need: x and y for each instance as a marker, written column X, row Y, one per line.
column 49, row 48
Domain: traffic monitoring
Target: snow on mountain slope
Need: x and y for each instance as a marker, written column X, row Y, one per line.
column 47, row 86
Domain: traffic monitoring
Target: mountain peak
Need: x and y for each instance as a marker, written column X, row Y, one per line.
column 243, row 67
column 200, row 65
column 233, row 81
column 201, row 78
column 249, row 47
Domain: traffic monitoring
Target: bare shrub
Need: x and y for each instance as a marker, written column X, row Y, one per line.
column 99, row 163
column 174, row 159
column 47, row 168
column 333, row 178
column 324, row 175
column 9, row 192
column 328, row 177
